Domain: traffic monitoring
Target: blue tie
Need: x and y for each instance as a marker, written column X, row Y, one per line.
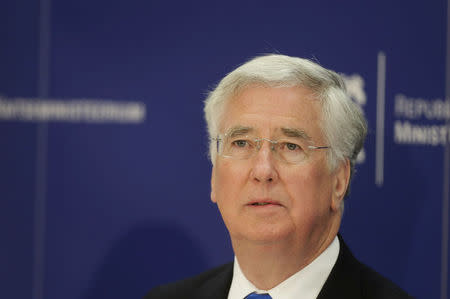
column 258, row 296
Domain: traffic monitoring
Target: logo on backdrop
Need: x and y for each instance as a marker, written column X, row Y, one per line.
column 421, row 121
column 71, row 110
column 355, row 89
column 418, row 121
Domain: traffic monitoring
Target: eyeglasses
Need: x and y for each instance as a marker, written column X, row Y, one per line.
column 289, row 150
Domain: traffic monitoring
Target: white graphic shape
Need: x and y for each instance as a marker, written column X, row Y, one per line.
column 355, row 89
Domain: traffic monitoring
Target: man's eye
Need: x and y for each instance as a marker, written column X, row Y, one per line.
column 292, row 146
column 240, row 143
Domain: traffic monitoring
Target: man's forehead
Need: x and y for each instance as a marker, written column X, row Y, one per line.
column 239, row 130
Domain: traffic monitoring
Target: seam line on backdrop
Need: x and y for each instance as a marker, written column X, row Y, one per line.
column 446, row 175
column 381, row 92
column 40, row 204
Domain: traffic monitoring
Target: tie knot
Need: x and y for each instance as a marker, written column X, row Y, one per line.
column 258, row 296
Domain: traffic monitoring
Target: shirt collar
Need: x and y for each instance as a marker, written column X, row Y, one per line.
column 307, row 282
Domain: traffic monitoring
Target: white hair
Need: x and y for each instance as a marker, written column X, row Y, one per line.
column 343, row 123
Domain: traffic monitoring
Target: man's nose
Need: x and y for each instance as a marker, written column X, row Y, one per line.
column 263, row 168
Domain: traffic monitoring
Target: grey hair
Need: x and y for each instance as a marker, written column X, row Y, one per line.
column 343, row 122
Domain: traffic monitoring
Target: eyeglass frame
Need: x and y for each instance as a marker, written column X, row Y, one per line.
column 258, row 141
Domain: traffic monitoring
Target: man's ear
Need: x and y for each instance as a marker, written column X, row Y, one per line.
column 340, row 184
column 213, row 183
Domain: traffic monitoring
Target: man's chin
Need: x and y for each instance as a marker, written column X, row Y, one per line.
column 265, row 235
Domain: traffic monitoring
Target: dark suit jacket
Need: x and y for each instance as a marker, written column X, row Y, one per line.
column 349, row 279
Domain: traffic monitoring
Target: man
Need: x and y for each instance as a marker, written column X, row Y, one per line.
column 284, row 140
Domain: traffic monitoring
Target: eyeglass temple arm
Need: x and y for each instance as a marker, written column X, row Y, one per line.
column 317, row 147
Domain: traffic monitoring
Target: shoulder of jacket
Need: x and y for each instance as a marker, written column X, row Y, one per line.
column 185, row 286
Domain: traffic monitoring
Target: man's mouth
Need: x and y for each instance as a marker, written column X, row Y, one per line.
column 258, row 203
column 261, row 203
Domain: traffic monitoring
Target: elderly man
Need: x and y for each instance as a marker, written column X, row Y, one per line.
column 284, row 140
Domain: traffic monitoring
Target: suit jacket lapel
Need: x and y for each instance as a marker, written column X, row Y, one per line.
column 344, row 279
column 217, row 286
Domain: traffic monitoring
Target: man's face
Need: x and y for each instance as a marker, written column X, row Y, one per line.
column 301, row 201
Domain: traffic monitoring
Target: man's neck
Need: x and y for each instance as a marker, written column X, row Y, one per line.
column 268, row 264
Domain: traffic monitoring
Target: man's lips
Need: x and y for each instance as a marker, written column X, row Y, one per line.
column 264, row 202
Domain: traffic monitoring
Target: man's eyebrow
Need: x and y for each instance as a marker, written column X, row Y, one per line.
column 238, row 131
column 296, row 133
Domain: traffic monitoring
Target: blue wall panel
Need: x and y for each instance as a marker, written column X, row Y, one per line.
column 127, row 203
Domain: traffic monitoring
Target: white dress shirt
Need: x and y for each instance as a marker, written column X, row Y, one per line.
column 305, row 284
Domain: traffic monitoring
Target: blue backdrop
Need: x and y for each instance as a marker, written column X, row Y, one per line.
column 100, row 202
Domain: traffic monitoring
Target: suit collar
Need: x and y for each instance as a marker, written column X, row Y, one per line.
column 344, row 280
